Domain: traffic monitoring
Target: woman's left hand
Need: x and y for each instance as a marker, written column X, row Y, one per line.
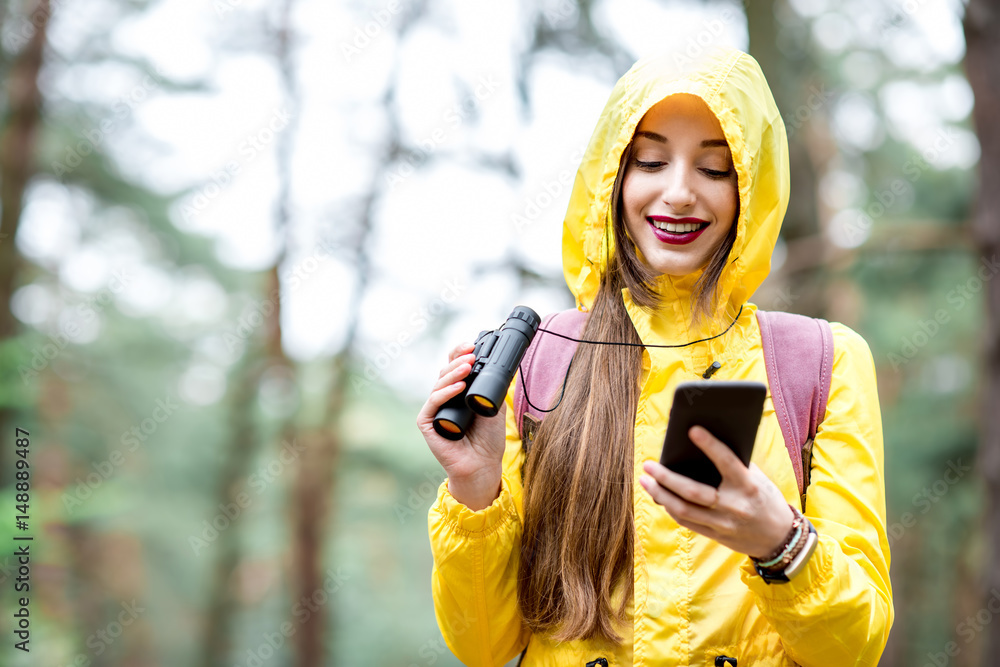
column 747, row 513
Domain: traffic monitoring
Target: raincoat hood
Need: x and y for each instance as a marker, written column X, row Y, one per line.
column 732, row 85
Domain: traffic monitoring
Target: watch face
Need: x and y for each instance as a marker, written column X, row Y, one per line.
column 771, row 577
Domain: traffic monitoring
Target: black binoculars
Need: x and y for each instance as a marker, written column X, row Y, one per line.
column 498, row 354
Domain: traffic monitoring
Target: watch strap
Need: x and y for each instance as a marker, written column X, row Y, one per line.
column 796, row 565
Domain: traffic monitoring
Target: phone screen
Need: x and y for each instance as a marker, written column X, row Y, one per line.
column 730, row 409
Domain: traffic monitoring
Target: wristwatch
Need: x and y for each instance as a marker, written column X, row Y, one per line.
column 796, row 565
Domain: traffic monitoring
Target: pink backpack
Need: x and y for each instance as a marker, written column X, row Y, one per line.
column 798, row 355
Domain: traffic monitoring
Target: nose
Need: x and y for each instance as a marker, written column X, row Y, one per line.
column 677, row 187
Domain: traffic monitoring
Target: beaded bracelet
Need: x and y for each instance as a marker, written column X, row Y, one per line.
column 792, row 545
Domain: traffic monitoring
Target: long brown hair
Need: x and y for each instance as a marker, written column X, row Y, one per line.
column 579, row 535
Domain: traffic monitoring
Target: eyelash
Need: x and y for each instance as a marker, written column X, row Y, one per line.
column 711, row 173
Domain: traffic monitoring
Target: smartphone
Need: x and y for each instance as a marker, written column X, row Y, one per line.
column 731, row 411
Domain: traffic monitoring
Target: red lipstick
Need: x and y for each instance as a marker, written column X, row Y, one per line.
column 676, row 238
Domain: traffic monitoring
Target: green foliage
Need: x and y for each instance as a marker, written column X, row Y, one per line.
column 18, row 390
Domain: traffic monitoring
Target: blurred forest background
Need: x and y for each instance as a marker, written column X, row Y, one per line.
column 238, row 237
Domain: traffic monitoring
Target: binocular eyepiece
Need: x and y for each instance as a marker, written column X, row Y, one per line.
column 498, row 354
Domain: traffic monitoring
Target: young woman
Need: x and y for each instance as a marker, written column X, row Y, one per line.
column 599, row 555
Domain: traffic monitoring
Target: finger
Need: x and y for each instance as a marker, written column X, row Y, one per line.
column 682, row 485
column 729, row 465
column 438, row 397
column 684, row 513
column 456, row 362
column 460, row 349
column 458, row 372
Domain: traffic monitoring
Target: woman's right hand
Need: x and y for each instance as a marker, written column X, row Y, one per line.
column 473, row 464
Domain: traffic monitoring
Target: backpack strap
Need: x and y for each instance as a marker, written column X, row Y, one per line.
column 544, row 366
column 798, row 356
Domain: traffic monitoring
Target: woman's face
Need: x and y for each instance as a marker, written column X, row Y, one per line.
column 680, row 175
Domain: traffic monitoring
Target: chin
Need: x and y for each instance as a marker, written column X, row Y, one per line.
column 676, row 271
column 677, row 274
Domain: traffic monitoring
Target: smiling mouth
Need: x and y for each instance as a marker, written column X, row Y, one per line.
column 675, row 226
column 679, row 229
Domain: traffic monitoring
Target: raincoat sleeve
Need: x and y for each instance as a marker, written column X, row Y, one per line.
column 476, row 555
column 838, row 610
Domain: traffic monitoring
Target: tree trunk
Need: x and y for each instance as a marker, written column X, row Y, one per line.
column 260, row 360
column 17, row 166
column 235, row 468
column 17, row 155
column 982, row 25
column 793, row 77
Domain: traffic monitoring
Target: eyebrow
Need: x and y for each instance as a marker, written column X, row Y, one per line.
column 662, row 139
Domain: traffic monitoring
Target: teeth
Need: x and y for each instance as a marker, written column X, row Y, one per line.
column 672, row 227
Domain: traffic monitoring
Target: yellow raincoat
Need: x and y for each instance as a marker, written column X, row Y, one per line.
column 696, row 600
